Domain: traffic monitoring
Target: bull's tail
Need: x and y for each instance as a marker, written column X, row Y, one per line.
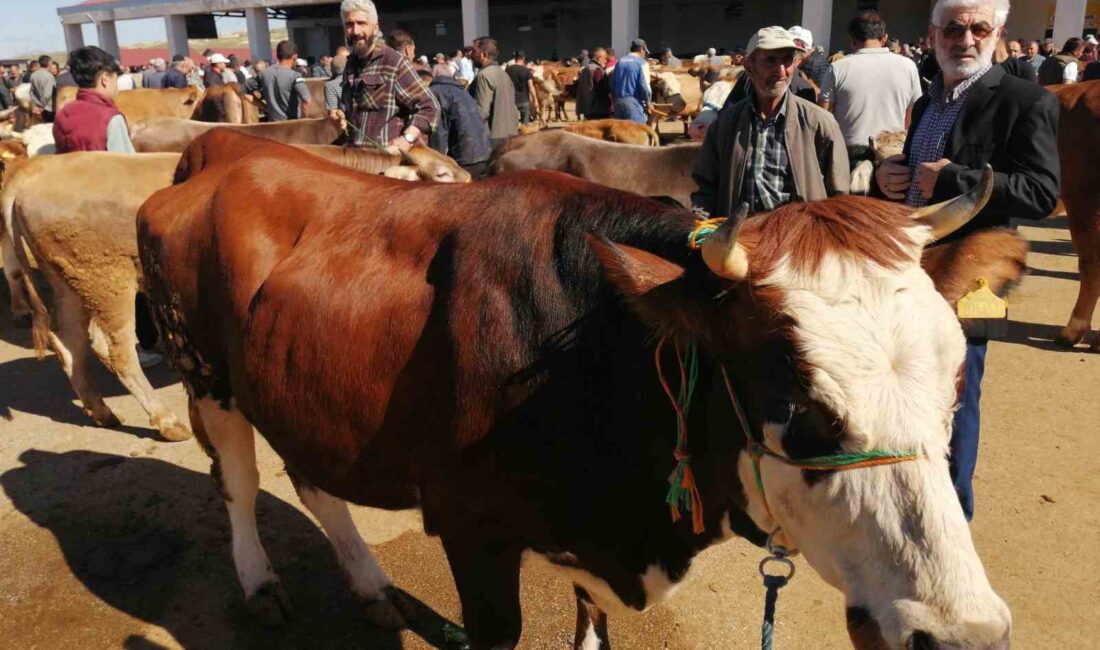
column 40, row 328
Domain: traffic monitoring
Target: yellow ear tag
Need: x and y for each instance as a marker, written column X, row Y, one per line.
column 982, row 303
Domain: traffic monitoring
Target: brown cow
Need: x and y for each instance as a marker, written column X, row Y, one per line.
column 494, row 365
column 226, row 105
column 664, row 171
column 143, row 104
column 1078, row 142
column 621, row 131
column 81, row 232
column 174, row 134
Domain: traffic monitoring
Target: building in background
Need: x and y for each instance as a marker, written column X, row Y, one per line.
column 557, row 27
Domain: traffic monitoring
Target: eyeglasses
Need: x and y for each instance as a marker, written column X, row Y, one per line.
column 955, row 31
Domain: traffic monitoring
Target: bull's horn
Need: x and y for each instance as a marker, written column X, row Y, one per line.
column 947, row 217
column 721, row 252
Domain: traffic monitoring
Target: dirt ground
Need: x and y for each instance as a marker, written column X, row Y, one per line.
column 109, row 539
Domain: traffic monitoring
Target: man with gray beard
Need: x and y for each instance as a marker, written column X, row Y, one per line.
column 382, row 98
column 974, row 115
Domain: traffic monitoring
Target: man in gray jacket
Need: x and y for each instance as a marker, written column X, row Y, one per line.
column 494, row 93
column 772, row 147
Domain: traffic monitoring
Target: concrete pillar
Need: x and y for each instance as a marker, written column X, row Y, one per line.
column 624, row 26
column 475, row 20
column 176, row 29
column 817, row 16
column 259, row 34
column 108, row 37
column 1069, row 21
column 74, row 37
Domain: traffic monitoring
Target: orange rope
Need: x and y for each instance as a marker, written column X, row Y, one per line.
column 683, row 458
column 703, row 226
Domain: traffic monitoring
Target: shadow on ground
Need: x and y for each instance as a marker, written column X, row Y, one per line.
column 1037, row 335
column 151, row 539
column 1062, row 247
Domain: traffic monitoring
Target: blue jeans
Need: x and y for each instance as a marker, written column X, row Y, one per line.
column 628, row 108
column 964, row 434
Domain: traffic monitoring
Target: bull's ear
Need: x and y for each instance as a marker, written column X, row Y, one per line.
column 634, row 272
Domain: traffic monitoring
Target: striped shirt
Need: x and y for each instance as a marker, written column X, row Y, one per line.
column 768, row 182
column 385, row 97
column 930, row 136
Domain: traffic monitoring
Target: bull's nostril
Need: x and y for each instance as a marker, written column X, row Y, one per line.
column 921, row 640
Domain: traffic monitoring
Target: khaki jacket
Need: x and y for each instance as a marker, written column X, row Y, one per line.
column 815, row 147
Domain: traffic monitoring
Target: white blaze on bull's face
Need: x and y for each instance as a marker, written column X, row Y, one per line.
column 882, row 352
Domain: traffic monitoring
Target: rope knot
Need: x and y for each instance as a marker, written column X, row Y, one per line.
column 703, row 228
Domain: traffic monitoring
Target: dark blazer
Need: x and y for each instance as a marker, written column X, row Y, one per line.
column 1012, row 125
column 460, row 133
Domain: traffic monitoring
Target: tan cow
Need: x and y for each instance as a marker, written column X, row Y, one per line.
column 82, row 235
column 1078, row 143
column 174, row 134
column 226, row 105
column 142, row 104
column 650, row 171
column 613, row 130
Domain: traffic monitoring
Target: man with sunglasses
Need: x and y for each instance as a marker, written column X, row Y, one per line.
column 976, row 115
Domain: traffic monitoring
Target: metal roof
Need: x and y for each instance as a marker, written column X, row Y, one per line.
column 91, row 11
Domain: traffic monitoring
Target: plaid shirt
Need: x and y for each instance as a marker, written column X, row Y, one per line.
column 930, row 136
column 768, row 182
column 385, row 97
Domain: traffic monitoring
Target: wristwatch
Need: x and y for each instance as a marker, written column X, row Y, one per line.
column 410, row 138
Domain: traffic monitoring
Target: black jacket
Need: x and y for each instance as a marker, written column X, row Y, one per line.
column 460, row 133
column 1012, row 125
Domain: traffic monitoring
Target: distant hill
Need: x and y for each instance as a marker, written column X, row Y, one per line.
column 227, row 40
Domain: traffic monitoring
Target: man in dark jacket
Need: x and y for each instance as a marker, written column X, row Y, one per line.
column 974, row 115
column 460, row 132
column 1062, row 68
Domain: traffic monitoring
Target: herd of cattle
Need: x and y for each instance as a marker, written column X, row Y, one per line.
column 484, row 351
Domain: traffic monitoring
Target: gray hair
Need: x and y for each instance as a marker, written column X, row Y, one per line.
column 366, row 6
column 1000, row 9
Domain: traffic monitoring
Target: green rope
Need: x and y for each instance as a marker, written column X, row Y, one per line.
column 699, row 235
column 677, row 495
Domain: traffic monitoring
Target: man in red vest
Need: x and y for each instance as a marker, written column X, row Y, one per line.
column 92, row 122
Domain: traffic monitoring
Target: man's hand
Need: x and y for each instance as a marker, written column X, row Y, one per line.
column 337, row 115
column 401, row 142
column 892, row 177
column 927, row 175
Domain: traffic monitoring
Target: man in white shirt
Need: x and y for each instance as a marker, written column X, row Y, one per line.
column 872, row 90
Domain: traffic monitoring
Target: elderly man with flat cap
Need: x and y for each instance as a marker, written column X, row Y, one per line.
column 772, row 147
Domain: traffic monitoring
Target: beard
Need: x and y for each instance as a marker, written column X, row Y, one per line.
column 361, row 47
column 960, row 69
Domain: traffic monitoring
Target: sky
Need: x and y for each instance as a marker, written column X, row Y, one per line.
column 32, row 26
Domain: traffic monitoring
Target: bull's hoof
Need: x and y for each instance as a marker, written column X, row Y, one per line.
column 269, row 606
column 1071, row 334
column 175, row 432
column 384, row 612
column 1095, row 347
column 24, row 322
column 108, row 420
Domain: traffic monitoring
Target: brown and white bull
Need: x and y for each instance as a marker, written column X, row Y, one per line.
column 82, row 236
column 494, row 365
